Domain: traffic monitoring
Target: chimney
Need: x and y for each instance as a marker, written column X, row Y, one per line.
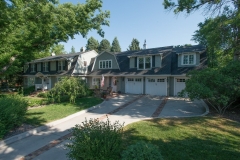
column 145, row 45
column 53, row 54
column 82, row 49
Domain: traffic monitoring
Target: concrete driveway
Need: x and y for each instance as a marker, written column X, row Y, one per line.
column 48, row 142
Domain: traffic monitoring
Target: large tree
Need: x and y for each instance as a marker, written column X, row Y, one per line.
column 104, row 46
column 73, row 50
column 115, row 45
column 134, row 46
column 28, row 28
column 57, row 49
column 226, row 21
column 92, row 44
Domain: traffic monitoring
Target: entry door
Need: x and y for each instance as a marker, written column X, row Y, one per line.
column 134, row 85
column 156, row 86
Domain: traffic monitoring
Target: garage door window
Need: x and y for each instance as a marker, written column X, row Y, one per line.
column 160, row 80
column 180, row 80
column 130, row 79
column 138, row 79
column 151, row 80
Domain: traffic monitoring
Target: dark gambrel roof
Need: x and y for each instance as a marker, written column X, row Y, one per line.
column 169, row 62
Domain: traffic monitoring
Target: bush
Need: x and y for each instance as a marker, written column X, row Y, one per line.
column 37, row 102
column 142, row 150
column 96, row 139
column 70, row 87
column 43, row 95
column 13, row 109
column 27, row 91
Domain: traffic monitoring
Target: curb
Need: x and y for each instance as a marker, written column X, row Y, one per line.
column 45, row 127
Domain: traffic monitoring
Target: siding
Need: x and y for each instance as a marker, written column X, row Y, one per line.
column 132, row 62
column 180, row 61
column 106, row 56
column 158, row 61
column 53, row 66
column 171, row 86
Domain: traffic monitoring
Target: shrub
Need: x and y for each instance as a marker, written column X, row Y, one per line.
column 142, row 150
column 37, row 102
column 43, row 94
column 13, row 109
column 70, row 87
column 96, row 138
column 28, row 91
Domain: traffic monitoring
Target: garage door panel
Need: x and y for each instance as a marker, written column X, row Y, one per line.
column 134, row 85
column 179, row 85
column 156, row 86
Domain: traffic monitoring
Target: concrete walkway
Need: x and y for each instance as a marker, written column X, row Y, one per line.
column 48, row 142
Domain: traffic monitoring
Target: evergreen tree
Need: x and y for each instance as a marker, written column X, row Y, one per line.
column 115, row 46
column 104, row 46
column 134, row 45
column 92, row 44
column 73, row 50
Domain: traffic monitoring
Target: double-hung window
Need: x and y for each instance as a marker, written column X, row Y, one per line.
column 61, row 65
column 45, row 66
column 188, row 59
column 32, row 67
column 105, row 64
column 144, row 62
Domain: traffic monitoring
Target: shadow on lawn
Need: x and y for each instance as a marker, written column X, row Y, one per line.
column 184, row 140
column 34, row 119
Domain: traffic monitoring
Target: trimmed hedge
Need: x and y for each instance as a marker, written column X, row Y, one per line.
column 13, row 109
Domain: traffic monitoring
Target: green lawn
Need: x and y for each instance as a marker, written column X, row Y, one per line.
column 189, row 138
column 48, row 113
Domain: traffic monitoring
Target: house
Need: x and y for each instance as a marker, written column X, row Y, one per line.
column 43, row 73
column 155, row 71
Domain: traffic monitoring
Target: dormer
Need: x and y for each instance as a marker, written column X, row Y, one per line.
column 188, row 59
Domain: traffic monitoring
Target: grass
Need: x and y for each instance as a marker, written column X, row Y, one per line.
column 189, row 138
column 48, row 113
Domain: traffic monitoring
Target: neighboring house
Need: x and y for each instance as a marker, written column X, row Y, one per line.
column 156, row 71
column 45, row 72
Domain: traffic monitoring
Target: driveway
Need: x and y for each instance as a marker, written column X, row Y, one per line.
column 48, row 142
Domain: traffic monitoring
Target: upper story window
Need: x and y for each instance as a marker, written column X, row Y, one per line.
column 25, row 68
column 61, row 65
column 188, row 59
column 45, row 66
column 105, row 64
column 38, row 67
column 32, row 67
column 144, row 62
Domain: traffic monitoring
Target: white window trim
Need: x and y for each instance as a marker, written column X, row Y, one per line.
column 105, row 64
column 61, row 62
column 194, row 59
column 45, row 66
column 32, row 67
column 144, row 67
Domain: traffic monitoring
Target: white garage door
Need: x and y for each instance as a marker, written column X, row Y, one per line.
column 179, row 85
column 134, row 85
column 156, row 86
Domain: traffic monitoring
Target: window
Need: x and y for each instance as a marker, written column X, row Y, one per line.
column 188, row 59
column 39, row 67
column 160, row 80
column 105, row 64
column 151, row 80
column 138, row 79
column 144, row 62
column 25, row 68
column 45, row 66
column 32, row 67
column 85, row 63
column 130, row 79
column 61, row 65
column 180, row 80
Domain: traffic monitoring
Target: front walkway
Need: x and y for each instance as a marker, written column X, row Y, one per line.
column 50, row 143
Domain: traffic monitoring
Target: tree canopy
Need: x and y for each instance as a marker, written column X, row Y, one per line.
column 104, row 46
column 115, row 45
column 134, row 46
column 73, row 50
column 29, row 28
column 92, row 44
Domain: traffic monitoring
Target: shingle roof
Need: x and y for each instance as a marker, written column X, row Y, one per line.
column 169, row 62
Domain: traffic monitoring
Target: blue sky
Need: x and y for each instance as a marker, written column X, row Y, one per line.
column 142, row 19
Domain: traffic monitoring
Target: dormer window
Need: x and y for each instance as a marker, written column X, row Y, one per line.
column 144, row 62
column 61, row 65
column 189, row 59
column 105, row 64
column 32, row 67
column 45, row 66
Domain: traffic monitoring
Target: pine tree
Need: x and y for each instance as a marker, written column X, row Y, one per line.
column 115, row 46
column 104, row 46
column 73, row 50
column 134, row 45
column 92, row 44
